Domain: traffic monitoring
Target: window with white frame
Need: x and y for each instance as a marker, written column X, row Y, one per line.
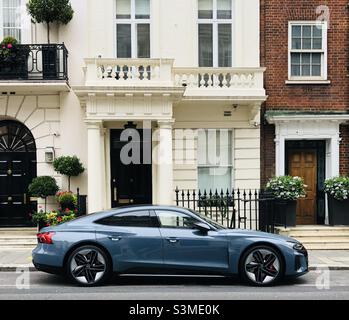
column 215, row 159
column 307, row 51
column 10, row 19
column 215, row 25
column 133, row 28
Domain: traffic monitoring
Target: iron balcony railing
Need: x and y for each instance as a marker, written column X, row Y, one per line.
column 34, row 62
column 235, row 209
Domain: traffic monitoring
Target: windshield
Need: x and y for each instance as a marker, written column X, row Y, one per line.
column 207, row 219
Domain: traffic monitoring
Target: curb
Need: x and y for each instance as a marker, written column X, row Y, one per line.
column 332, row 268
column 14, row 268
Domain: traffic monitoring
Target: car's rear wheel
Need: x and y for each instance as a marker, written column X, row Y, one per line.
column 262, row 266
column 88, row 266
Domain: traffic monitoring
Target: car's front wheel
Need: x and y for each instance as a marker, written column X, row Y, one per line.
column 261, row 266
column 88, row 266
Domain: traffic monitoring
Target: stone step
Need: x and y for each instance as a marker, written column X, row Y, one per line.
column 314, row 228
column 18, row 234
column 17, row 247
column 11, row 243
column 4, row 240
column 322, row 239
column 18, row 230
column 19, row 242
column 327, row 246
column 322, row 233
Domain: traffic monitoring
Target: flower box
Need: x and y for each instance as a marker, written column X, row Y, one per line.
column 285, row 213
column 338, row 212
column 286, row 190
column 337, row 190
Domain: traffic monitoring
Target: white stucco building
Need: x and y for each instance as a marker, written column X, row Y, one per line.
column 171, row 67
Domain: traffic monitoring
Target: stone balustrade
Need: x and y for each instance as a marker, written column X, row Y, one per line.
column 129, row 72
column 197, row 82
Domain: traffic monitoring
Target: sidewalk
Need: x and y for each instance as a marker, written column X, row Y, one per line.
column 332, row 259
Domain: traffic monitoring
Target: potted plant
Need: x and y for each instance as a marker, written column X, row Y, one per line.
column 48, row 12
column 286, row 190
column 55, row 218
column 68, row 166
column 67, row 200
column 39, row 218
column 13, row 59
column 337, row 190
column 43, row 187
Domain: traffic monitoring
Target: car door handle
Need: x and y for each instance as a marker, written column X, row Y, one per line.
column 172, row 240
column 115, row 238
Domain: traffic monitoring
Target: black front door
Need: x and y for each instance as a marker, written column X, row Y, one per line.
column 131, row 182
column 17, row 170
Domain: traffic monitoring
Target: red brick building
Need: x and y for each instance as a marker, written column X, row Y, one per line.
column 305, row 128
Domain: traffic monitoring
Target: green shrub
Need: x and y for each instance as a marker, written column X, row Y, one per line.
column 7, row 47
column 287, row 187
column 338, row 188
column 49, row 11
column 67, row 199
column 69, row 166
column 43, row 187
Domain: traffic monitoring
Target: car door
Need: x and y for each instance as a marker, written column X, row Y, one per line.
column 133, row 240
column 188, row 249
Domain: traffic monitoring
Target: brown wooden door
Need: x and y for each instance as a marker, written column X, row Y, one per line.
column 303, row 163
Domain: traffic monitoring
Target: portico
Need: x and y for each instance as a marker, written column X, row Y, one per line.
column 149, row 114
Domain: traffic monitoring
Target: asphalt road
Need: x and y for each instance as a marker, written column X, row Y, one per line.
column 313, row 286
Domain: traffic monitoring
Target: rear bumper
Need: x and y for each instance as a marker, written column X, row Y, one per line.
column 48, row 269
column 46, row 258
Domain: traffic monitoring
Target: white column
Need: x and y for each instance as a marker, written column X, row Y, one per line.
column 165, row 164
column 279, row 153
column 95, row 166
column 335, row 144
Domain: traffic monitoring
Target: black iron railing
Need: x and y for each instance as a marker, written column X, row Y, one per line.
column 34, row 62
column 81, row 203
column 236, row 209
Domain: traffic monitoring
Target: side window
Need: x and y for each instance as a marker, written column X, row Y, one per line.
column 130, row 219
column 173, row 219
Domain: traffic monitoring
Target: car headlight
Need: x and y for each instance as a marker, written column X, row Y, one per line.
column 298, row 247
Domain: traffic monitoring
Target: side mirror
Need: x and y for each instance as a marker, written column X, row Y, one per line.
column 203, row 227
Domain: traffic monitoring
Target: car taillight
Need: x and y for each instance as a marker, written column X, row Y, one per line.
column 45, row 237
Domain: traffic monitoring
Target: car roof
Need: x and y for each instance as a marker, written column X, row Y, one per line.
column 100, row 215
column 146, row 207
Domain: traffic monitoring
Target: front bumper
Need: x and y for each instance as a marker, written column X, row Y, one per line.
column 301, row 263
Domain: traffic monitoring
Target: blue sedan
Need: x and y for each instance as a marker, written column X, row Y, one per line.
column 164, row 240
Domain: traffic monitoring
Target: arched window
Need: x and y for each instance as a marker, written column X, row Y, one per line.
column 16, row 137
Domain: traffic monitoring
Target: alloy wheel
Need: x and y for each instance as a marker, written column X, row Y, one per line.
column 262, row 266
column 88, row 266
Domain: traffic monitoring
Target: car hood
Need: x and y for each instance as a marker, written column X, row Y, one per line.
column 255, row 234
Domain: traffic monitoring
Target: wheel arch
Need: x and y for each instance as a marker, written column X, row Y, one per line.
column 263, row 243
column 87, row 243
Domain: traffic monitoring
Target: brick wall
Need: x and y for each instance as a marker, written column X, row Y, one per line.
column 275, row 15
column 344, row 150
